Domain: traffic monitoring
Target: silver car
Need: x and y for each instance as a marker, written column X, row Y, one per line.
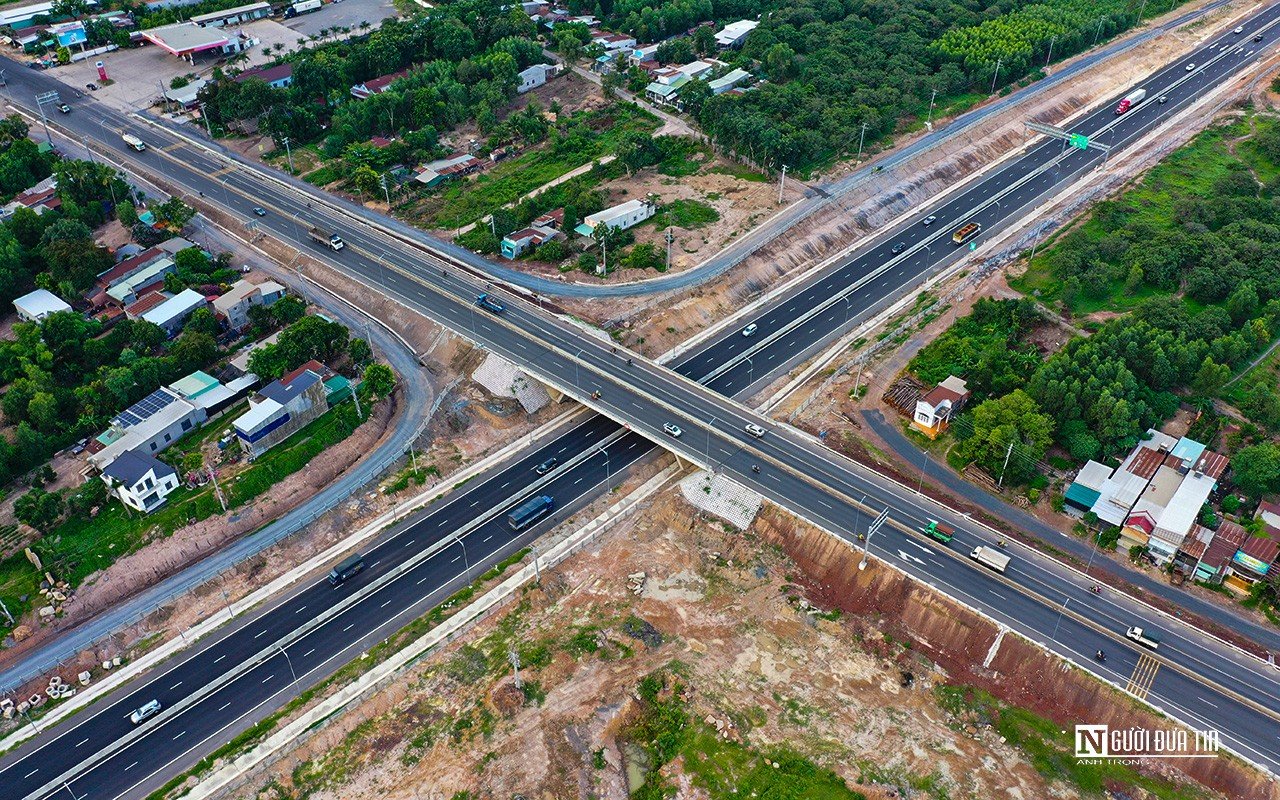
column 145, row 712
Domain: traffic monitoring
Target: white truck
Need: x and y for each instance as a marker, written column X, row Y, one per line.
column 134, row 142
column 990, row 557
column 1130, row 100
column 330, row 240
column 1144, row 637
column 301, row 8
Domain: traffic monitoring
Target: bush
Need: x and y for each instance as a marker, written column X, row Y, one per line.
column 554, row 251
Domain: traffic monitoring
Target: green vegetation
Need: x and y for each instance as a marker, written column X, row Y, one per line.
column 686, row 214
column 723, row 769
column 986, row 348
column 1051, row 750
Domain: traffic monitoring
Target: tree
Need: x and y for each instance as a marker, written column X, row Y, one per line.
column 193, row 350
column 203, row 321
column 1016, row 420
column 175, row 213
column 127, row 213
column 366, row 180
column 1256, row 469
column 40, row 509
column 704, row 40
column 1210, row 377
column 359, row 351
column 91, row 494
column 380, row 379
column 288, row 310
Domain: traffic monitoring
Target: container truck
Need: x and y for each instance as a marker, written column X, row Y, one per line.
column 301, row 8
column 134, row 142
column 990, row 557
column 346, row 570
column 529, row 511
column 939, row 531
column 330, row 240
column 1144, row 637
column 1130, row 100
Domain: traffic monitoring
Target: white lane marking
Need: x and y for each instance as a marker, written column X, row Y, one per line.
column 32, row 772
column 269, row 677
column 175, row 686
column 443, row 522
column 300, row 610
column 487, row 538
column 260, row 633
column 476, row 503
column 411, row 541
column 1206, row 702
column 179, row 736
column 219, row 658
column 997, row 594
column 131, row 766
column 82, row 741
column 456, row 558
column 825, row 504
column 423, row 579
column 384, row 605
column 349, row 627
column 225, row 706
column 505, row 485
column 309, row 652
column 922, row 547
column 376, row 563
column 562, row 449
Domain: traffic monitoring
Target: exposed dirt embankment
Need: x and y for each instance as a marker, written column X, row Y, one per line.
column 958, row 640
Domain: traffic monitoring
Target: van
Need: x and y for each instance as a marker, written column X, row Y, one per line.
column 346, row 570
column 754, row 429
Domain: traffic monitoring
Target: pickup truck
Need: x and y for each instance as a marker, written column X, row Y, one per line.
column 1144, row 637
column 990, row 557
column 330, row 240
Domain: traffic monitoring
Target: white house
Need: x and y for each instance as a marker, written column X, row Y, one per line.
column 172, row 313
column 619, row 217
column 141, row 481
column 727, row 81
column 735, row 33
column 935, row 409
column 535, row 76
column 39, row 304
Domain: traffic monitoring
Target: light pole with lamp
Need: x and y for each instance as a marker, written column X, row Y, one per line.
column 466, row 562
column 290, row 660
column 607, row 474
column 871, row 531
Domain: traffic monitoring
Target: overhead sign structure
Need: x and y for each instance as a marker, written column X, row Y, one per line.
column 1079, row 141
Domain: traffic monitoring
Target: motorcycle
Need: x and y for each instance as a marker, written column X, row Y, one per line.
column 1100, row 656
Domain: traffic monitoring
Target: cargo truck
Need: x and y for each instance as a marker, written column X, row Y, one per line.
column 966, row 232
column 529, row 511
column 939, row 531
column 489, row 303
column 330, row 240
column 1130, row 100
column 990, row 557
column 301, row 8
column 346, row 570
column 1144, row 637
column 134, row 142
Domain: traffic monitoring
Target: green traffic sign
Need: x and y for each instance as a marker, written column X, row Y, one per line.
column 1079, row 140
column 973, row 245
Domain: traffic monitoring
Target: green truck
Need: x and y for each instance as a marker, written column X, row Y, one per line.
column 939, row 531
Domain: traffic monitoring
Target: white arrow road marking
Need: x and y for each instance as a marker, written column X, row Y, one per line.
column 905, row 556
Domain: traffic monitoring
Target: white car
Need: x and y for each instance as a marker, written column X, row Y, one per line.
column 1238, row 31
column 1190, row 67
column 750, row 330
column 754, row 429
column 932, row 218
column 672, row 429
column 145, row 712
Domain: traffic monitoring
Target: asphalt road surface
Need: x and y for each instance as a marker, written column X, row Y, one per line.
column 1198, row 678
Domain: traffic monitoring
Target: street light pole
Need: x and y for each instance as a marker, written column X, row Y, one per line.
column 782, row 183
column 607, row 474
column 290, row 660
column 929, row 122
column 1049, row 57
column 288, row 154
column 466, row 562
column 861, row 136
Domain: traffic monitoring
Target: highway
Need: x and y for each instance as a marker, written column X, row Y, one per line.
column 797, row 473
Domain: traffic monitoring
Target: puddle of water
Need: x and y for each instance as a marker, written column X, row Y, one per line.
column 636, row 763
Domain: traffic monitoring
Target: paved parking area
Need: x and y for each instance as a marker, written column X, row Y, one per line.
column 345, row 13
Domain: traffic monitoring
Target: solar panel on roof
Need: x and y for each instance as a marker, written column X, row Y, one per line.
column 145, row 408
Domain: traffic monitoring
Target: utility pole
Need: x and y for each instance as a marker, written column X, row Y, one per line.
column 41, row 99
column 1000, row 483
column 5, row 610
column 1049, row 57
column 670, row 238
column 995, row 76
column 204, row 114
column 861, row 136
column 514, row 658
column 929, row 122
column 782, row 183
column 1098, row 33
column 356, row 396
column 217, row 490
column 386, row 191
column 288, row 154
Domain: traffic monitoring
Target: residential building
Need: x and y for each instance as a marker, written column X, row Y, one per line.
column 1214, row 565
column 240, row 361
column 233, row 16
column 376, row 85
column 612, row 42
column 514, row 244
column 1155, row 496
column 37, row 305
column 129, row 290
column 187, row 97
column 728, row 81
column 1084, row 490
column 148, row 301
column 535, row 76
column 668, row 81
column 148, row 426
column 173, row 313
column 278, row 77
column 620, row 217
column 735, row 33
column 552, row 219
column 446, row 169
column 188, row 40
column 140, row 480
column 642, row 54
column 1252, row 562
column 233, row 307
column 934, row 410
column 282, row 408
column 134, row 263
column 39, row 198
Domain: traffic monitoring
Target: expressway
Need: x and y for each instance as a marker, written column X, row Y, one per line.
column 797, row 473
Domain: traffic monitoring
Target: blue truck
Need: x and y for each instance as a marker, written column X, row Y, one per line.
column 529, row 512
column 488, row 303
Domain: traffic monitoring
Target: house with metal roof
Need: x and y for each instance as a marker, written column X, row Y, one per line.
column 280, row 409
column 35, row 306
column 141, row 481
column 619, row 217
column 148, row 426
column 173, row 313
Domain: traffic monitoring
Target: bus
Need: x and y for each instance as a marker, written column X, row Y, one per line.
column 529, row 511
column 966, row 232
